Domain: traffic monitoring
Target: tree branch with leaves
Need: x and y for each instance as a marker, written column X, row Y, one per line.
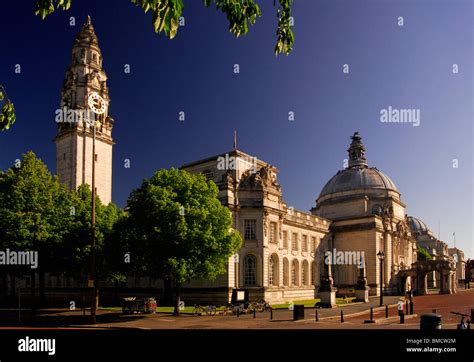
column 166, row 15
column 7, row 113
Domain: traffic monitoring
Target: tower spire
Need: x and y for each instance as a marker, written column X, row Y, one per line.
column 235, row 140
column 357, row 152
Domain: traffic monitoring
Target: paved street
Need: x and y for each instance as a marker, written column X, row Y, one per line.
column 354, row 316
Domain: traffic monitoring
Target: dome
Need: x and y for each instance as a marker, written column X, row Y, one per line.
column 416, row 225
column 357, row 176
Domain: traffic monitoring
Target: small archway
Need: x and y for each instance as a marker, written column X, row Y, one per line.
column 419, row 273
column 305, row 275
column 286, row 272
column 295, row 275
column 273, row 271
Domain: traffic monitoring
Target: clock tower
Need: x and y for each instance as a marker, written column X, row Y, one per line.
column 85, row 104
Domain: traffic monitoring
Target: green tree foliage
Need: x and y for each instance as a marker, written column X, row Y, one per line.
column 422, row 254
column 34, row 207
column 178, row 230
column 76, row 247
column 7, row 110
column 38, row 213
column 166, row 14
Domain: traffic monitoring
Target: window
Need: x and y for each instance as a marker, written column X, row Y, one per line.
column 208, row 174
column 250, row 226
column 286, row 279
column 250, row 270
column 377, row 210
column 285, row 239
column 294, row 241
column 273, row 271
column 294, row 273
column 273, row 232
column 304, row 243
column 313, row 244
column 64, row 156
column 305, row 273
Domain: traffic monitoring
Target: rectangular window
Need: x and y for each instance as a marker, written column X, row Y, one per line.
column 208, row 174
column 64, row 156
column 304, row 243
column 294, row 241
column 285, row 240
column 313, row 244
column 273, row 232
column 250, row 226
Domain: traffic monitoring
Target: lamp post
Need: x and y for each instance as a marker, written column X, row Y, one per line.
column 98, row 106
column 92, row 279
column 381, row 257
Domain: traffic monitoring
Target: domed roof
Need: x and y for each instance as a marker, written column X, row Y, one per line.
column 358, row 178
column 416, row 225
column 358, row 175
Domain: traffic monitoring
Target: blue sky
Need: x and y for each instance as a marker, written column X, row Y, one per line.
column 407, row 66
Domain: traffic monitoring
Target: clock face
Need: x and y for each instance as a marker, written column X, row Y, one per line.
column 97, row 103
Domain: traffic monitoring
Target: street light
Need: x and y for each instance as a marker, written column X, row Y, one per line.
column 98, row 106
column 381, row 257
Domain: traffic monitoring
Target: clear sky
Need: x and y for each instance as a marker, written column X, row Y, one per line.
column 406, row 67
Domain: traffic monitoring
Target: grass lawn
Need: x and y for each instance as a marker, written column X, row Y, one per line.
column 309, row 303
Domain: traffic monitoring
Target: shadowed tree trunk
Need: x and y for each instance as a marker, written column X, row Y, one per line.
column 167, row 289
column 41, row 289
column 33, row 292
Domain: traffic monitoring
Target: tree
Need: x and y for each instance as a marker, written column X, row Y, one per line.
column 422, row 254
column 76, row 247
column 178, row 230
column 167, row 13
column 34, row 212
column 7, row 114
column 37, row 213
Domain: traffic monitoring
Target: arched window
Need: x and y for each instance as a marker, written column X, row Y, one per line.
column 286, row 272
column 305, row 273
column 250, row 270
column 377, row 210
column 294, row 273
column 273, row 268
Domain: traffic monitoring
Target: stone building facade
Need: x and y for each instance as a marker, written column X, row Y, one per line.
column 367, row 215
column 278, row 258
column 359, row 212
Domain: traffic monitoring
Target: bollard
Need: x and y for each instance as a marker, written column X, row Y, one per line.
column 254, row 313
column 386, row 311
column 342, row 316
column 402, row 318
column 371, row 313
column 271, row 314
column 406, row 307
column 472, row 315
column 317, row 317
column 411, row 307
